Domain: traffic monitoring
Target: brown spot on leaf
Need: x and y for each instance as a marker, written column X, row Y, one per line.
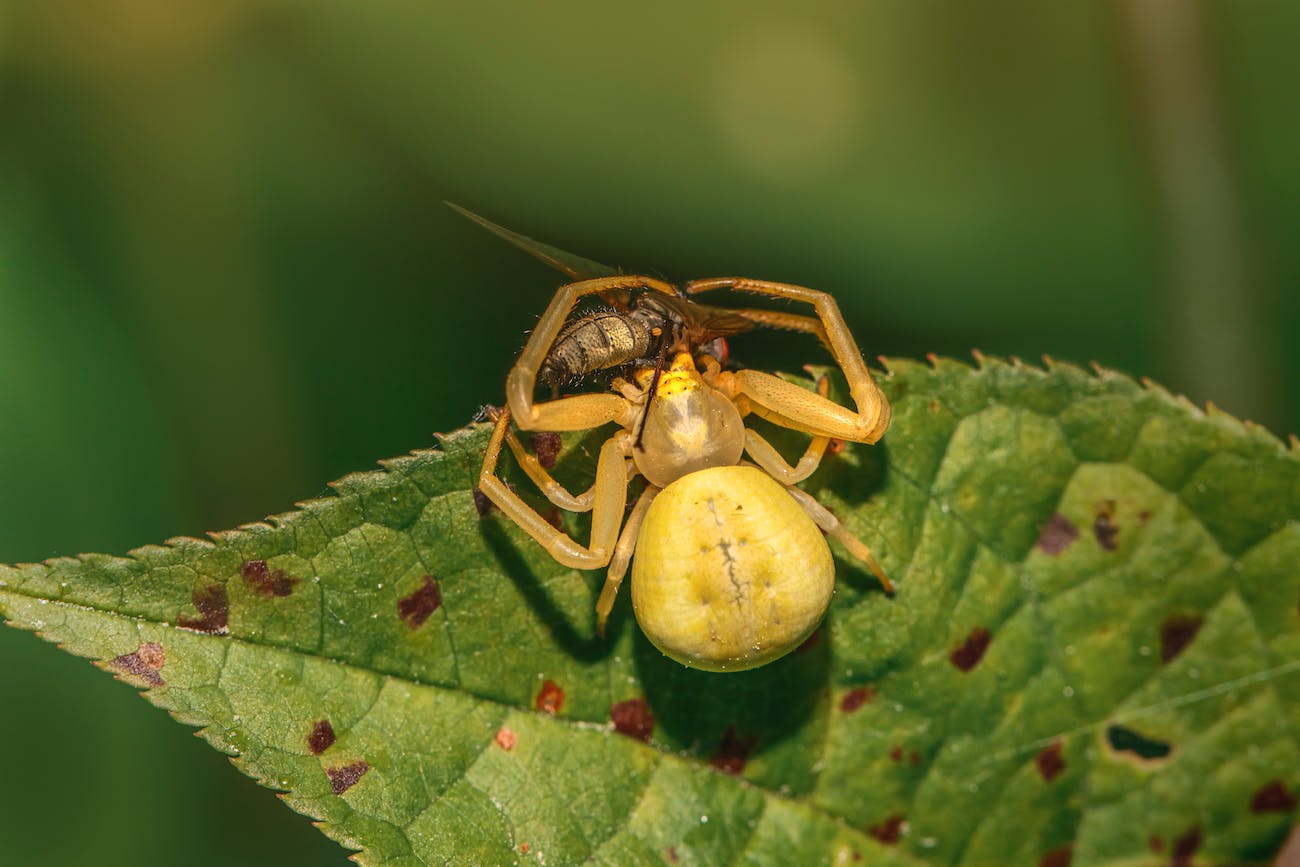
column 810, row 642
column 321, row 737
column 971, row 651
column 915, row 758
column 265, row 581
column 1057, row 535
column 888, row 831
column 214, row 610
column 1143, row 517
column 347, row 776
column 1049, row 761
column 1155, row 844
column 896, row 752
column 672, row 854
column 733, row 752
column 551, row 698
column 1176, row 633
column 555, row 518
column 1104, row 527
column 152, row 654
column 1058, row 857
column 506, row 739
column 633, row 719
column 144, row 663
column 856, row 698
column 481, row 503
column 546, row 446
column 420, row 605
column 1185, row 847
column 1272, row 797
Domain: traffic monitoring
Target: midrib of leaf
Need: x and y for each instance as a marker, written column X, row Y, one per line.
column 810, row 802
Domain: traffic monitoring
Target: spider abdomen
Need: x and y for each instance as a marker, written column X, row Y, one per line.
column 729, row 573
column 595, row 342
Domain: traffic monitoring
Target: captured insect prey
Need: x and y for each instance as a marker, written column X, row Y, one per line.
column 634, row 329
column 730, row 567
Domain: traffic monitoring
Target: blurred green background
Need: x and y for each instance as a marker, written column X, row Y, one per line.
column 226, row 276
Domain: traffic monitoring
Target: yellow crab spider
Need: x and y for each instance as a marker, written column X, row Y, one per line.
column 731, row 569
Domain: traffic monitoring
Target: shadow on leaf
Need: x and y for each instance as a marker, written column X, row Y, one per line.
column 718, row 716
column 575, row 639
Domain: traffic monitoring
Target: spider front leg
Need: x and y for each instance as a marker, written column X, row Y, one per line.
column 608, row 503
column 577, row 412
column 787, row 404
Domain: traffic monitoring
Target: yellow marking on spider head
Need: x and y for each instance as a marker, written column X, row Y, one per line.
column 680, row 378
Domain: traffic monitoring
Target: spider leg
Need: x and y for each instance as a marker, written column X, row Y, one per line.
column 823, row 518
column 582, row 411
column 789, row 405
column 783, row 321
column 545, row 482
column 609, row 499
column 770, row 460
column 622, row 557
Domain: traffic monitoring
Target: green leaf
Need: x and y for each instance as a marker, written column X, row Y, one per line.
column 1094, row 652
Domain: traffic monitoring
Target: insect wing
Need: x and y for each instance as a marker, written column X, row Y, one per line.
column 575, row 267
column 708, row 323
